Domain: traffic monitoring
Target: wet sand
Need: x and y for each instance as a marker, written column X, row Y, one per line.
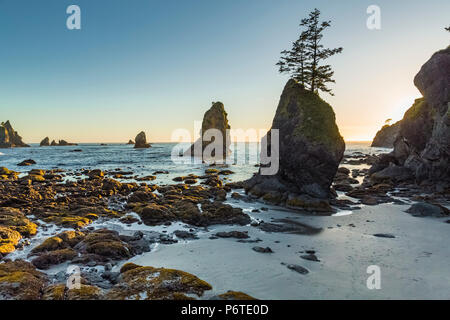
column 413, row 264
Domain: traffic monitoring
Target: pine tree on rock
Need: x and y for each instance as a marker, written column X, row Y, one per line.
column 304, row 61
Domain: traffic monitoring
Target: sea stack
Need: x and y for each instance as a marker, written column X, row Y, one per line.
column 10, row 138
column 423, row 143
column 130, row 142
column 60, row 143
column 45, row 142
column 214, row 118
column 141, row 141
column 310, row 150
column 386, row 136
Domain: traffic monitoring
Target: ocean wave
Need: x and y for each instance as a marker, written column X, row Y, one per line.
column 2, row 154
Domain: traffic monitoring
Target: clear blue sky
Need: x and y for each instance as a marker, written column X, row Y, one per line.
column 157, row 65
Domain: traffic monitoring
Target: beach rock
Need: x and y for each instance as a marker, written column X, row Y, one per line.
column 141, row 141
column 233, row 234
column 9, row 138
column 48, row 259
column 8, row 240
column 310, row 257
column 45, row 142
column 297, row 268
column 103, row 245
column 384, row 235
column 387, row 135
column 130, row 142
column 392, row 173
column 19, row 280
column 185, row 235
column 423, row 143
column 149, row 283
column 215, row 118
column 423, row 209
column 262, row 250
column 310, row 149
column 288, row 226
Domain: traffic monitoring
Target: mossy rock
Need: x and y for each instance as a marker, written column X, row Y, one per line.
column 55, row 292
column 73, row 222
column 8, row 240
column 85, row 292
column 62, row 240
column 151, row 283
column 19, row 280
column 128, row 266
column 61, row 292
column 235, row 295
column 48, row 259
column 17, row 221
column 309, row 204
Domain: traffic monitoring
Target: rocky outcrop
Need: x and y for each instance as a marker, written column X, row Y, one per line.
column 423, row 143
column 310, row 150
column 130, row 142
column 141, row 141
column 387, row 135
column 10, row 138
column 45, row 142
column 214, row 118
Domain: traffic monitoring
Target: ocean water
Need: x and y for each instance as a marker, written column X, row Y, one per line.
column 141, row 162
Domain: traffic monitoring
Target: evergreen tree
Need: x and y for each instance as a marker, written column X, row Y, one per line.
column 304, row 60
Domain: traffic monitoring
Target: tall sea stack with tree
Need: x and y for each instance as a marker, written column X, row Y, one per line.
column 310, row 145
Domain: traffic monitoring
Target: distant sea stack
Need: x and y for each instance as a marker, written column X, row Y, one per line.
column 387, row 135
column 310, row 150
column 141, row 141
column 9, row 138
column 45, row 142
column 215, row 118
column 423, row 143
column 130, row 142
column 61, row 143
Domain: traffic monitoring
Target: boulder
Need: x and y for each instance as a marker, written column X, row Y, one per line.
column 387, row 135
column 149, row 283
column 45, row 142
column 215, row 118
column 141, row 141
column 10, row 138
column 423, row 209
column 310, row 150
